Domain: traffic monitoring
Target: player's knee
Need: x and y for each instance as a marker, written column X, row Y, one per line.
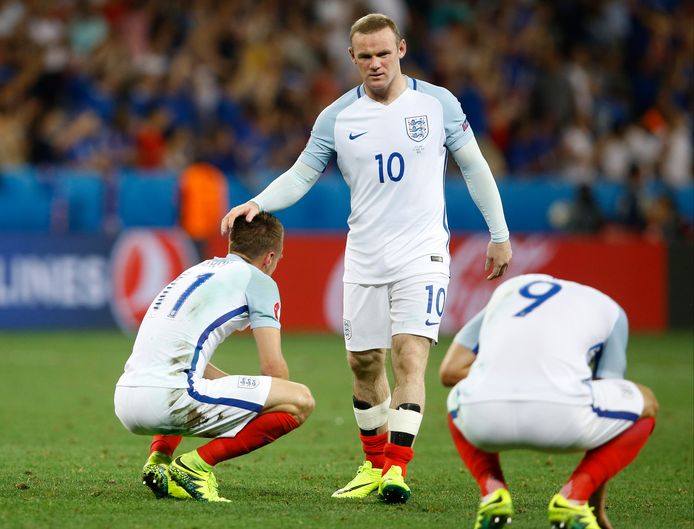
column 366, row 363
column 304, row 403
column 650, row 403
column 410, row 363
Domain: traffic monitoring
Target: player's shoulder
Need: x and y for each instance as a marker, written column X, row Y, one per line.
column 444, row 95
column 341, row 103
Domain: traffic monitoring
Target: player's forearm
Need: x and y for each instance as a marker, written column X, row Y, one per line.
column 456, row 364
column 277, row 369
column 482, row 188
column 287, row 188
column 272, row 363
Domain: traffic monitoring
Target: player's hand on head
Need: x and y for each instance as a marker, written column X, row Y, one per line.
column 498, row 258
column 248, row 209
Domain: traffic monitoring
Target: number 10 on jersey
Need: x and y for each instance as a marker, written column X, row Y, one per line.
column 395, row 161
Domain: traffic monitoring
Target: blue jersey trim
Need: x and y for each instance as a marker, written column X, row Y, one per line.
column 609, row 414
column 414, row 84
column 358, row 92
column 598, row 349
column 246, row 405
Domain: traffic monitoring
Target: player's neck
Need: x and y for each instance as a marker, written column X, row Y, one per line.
column 390, row 94
column 242, row 256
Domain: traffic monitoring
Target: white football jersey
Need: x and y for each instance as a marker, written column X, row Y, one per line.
column 393, row 158
column 193, row 314
column 543, row 339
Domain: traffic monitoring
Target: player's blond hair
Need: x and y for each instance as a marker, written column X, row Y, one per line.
column 374, row 22
column 253, row 239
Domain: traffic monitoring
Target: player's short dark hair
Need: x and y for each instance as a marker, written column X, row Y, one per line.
column 252, row 239
column 375, row 22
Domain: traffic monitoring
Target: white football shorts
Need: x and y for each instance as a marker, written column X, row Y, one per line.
column 549, row 426
column 373, row 314
column 208, row 408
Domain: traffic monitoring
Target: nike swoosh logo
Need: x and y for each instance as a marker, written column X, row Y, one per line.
column 357, row 487
column 431, row 323
column 353, row 136
column 182, row 464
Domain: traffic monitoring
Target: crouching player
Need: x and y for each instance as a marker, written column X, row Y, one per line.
column 542, row 367
column 170, row 388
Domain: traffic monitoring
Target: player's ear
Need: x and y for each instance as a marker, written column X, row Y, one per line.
column 351, row 54
column 402, row 48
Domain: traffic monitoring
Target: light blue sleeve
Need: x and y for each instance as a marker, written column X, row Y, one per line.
column 321, row 145
column 263, row 299
column 613, row 360
column 458, row 130
column 469, row 335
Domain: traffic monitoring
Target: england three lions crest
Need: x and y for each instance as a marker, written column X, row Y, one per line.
column 417, row 127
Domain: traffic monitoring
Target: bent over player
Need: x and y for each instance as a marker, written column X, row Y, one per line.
column 391, row 136
column 542, row 367
column 170, row 388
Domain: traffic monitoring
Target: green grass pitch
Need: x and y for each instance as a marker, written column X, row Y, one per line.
column 66, row 462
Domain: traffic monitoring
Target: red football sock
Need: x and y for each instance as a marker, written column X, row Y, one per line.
column 484, row 466
column 374, row 446
column 262, row 430
column 396, row 455
column 604, row 462
column 166, row 444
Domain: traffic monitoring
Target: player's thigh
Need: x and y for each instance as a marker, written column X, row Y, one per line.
column 617, row 404
column 145, row 410
column 366, row 313
column 220, row 407
column 501, row 425
column 417, row 305
column 289, row 397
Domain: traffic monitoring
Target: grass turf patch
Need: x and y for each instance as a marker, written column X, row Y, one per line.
column 68, row 463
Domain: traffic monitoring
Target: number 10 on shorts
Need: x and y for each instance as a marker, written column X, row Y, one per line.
column 437, row 302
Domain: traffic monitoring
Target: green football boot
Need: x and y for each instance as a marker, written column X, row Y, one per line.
column 495, row 512
column 364, row 483
column 392, row 488
column 155, row 474
column 192, row 476
column 563, row 514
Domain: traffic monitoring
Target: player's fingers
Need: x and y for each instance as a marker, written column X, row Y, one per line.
column 498, row 271
column 251, row 215
column 224, row 226
column 487, row 263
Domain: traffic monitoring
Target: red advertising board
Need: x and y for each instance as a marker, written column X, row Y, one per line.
column 631, row 271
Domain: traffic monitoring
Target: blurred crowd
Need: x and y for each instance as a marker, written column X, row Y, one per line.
column 583, row 89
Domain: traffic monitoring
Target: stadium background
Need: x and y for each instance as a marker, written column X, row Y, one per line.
column 128, row 127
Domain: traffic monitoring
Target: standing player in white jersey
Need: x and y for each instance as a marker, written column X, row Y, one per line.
column 542, row 367
column 391, row 136
column 170, row 388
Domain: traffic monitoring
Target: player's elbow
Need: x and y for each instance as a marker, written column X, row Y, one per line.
column 450, row 377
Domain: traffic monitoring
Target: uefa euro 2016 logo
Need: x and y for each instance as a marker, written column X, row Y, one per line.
column 417, row 127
